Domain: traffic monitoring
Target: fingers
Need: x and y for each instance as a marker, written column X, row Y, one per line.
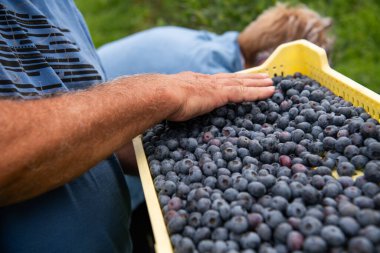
column 242, row 75
column 238, row 94
column 246, row 82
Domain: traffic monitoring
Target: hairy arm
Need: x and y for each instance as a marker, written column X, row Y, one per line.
column 48, row 142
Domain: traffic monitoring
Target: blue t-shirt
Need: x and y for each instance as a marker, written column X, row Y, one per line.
column 170, row 50
column 45, row 48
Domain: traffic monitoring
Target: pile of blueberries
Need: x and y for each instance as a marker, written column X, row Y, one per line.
column 271, row 176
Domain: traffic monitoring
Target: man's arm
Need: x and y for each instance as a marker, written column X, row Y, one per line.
column 48, row 142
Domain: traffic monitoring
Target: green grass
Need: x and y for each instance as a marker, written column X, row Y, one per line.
column 356, row 25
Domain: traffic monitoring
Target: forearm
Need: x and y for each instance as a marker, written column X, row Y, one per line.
column 54, row 140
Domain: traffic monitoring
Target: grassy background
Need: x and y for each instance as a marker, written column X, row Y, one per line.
column 356, row 25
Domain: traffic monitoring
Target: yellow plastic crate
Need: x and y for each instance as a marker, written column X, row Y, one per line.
column 298, row 56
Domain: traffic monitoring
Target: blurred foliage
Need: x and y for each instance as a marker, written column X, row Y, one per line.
column 356, row 25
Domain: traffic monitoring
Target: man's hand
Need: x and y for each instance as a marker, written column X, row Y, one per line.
column 48, row 142
column 196, row 94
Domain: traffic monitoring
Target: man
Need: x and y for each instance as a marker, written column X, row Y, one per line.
column 61, row 188
column 171, row 50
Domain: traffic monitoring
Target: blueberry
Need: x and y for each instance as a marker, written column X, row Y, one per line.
column 175, row 239
column 210, row 181
column 224, row 182
column 346, row 169
column 205, row 245
column 228, row 131
column 349, row 226
column 368, row 130
column 281, row 232
column 256, row 189
column 374, row 150
column 259, row 118
column 360, row 244
column 346, row 181
column 279, row 203
column 367, row 217
column 364, row 202
column 352, row 192
column 342, row 143
column 250, row 240
column 254, row 219
column 351, row 151
column 342, row 133
column 295, row 241
column 235, row 165
column 163, row 199
column 267, row 157
column 282, row 189
column 229, row 153
column 285, row 161
column 332, row 219
column 372, row 171
column 348, row 209
column 269, row 144
column 277, row 97
column 318, row 182
column 174, row 203
column 297, row 135
column 316, row 95
column 240, row 183
column 296, row 189
column 304, row 126
column 370, row 189
column 168, row 188
column 188, row 231
column 296, row 209
column 237, row 224
column 287, row 148
column 201, row 233
column 211, row 219
column 310, row 195
column 230, row 194
column 185, row 245
column 316, row 213
column 293, row 94
column 331, row 190
column 331, row 131
column 323, row 121
column 203, row 205
column 313, row 160
column 232, row 245
column 176, row 224
column 310, row 226
column 359, row 161
column 195, row 174
column 372, row 233
column 283, row 122
column 264, row 231
column 356, row 139
column 274, row 218
column 298, row 168
column 285, row 85
column 255, row 148
column 314, row 244
column 294, row 222
column 209, row 168
column 243, row 152
column 333, row 235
